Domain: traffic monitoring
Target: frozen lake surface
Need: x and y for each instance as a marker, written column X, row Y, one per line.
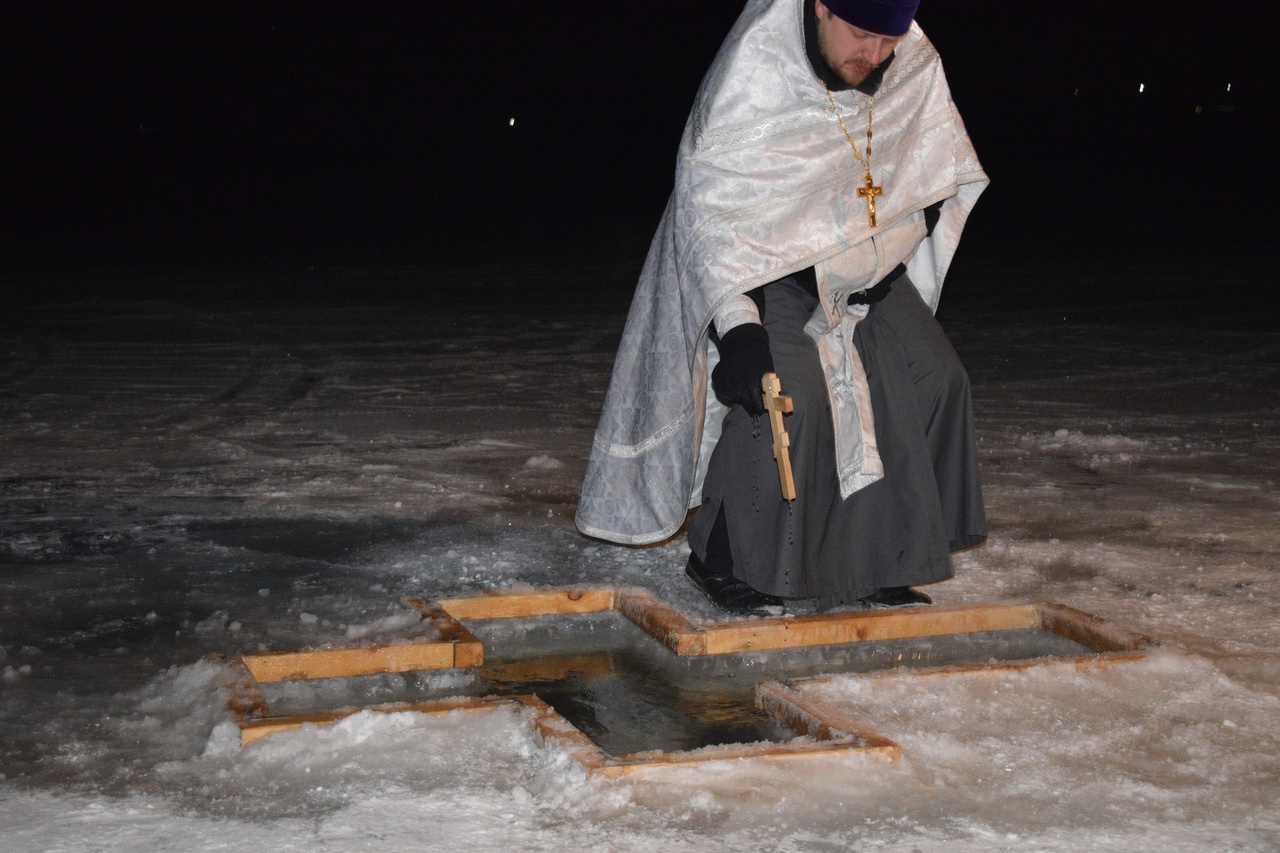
column 229, row 462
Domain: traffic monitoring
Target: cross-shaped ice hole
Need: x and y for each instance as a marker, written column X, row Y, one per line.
column 630, row 681
column 630, row 694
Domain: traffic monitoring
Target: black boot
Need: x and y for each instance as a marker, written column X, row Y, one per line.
column 729, row 592
column 895, row 596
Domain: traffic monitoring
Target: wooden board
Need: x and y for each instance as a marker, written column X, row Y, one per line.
column 544, row 602
column 467, row 650
column 865, row 626
column 820, row 720
column 244, row 696
column 1092, row 632
column 556, row 731
column 345, row 661
column 662, row 621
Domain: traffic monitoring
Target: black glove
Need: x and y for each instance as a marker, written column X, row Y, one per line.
column 744, row 358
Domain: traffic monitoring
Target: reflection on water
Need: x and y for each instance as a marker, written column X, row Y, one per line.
column 630, row 694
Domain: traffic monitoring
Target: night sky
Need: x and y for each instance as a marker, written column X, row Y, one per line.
column 238, row 134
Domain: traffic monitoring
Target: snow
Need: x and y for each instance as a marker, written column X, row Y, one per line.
column 197, row 466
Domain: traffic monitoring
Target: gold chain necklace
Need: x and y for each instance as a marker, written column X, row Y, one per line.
column 868, row 190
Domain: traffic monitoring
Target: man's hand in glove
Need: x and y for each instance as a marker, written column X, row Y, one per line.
column 744, row 358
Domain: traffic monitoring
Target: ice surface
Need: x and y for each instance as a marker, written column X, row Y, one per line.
column 182, row 476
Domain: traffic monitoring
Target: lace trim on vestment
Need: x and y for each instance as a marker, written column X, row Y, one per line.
column 631, row 451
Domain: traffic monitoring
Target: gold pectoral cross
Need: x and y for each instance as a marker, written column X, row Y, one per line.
column 869, row 192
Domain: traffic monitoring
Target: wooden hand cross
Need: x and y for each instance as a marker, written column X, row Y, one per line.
column 777, row 404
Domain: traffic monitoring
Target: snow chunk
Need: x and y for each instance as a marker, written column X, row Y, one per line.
column 214, row 623
column 1076, row 440
column 385, row 625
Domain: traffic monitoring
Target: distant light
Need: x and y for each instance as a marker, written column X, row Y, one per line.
column 1228, row 87
column 1142, row 87
column 511, row 123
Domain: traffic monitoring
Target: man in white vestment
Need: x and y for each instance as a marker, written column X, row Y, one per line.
column 822, row 183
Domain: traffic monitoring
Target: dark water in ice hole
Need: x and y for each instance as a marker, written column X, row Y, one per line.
column 630, row 694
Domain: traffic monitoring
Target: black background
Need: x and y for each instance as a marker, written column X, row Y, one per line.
column 256, row 134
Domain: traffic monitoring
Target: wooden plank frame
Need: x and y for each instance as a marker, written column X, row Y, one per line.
column 451, row 646
column 826, row 728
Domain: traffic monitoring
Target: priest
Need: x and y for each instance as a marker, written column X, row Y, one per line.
column 822, row 183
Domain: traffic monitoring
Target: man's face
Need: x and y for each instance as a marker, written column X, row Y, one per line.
column 852, row 53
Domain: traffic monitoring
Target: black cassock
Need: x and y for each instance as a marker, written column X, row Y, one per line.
column 898, row 531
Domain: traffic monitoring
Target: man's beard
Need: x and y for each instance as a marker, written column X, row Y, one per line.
column 846, row 70
column 850, row 74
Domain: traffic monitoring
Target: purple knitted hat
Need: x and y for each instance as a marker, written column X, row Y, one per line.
column 882, row 17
